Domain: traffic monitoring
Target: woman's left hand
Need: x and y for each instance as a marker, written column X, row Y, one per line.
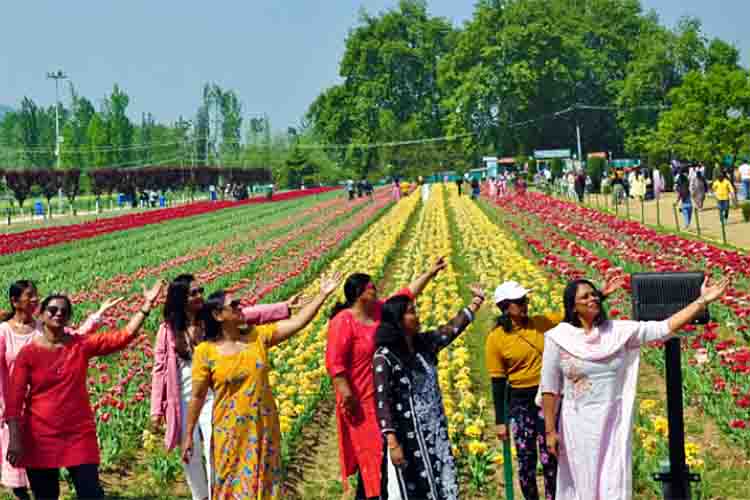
column 477, row 291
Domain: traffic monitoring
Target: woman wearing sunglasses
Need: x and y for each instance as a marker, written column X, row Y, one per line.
column 171, row 387
column 47, row 393
column 234, row 363
column 513, row 355
column 349, row 352
column 18, row 328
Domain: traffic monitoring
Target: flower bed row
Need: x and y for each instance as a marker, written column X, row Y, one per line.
column 44, row 237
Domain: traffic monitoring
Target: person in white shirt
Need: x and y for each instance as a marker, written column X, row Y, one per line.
column 744, row 172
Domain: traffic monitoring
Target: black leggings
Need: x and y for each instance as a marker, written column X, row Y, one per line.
column 45, row 483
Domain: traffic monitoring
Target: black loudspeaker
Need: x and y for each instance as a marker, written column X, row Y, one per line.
column 657, row 296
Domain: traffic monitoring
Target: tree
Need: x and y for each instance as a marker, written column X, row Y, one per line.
column 119, row 127
column 20, row 183
column 50, row 182
column 70, row 185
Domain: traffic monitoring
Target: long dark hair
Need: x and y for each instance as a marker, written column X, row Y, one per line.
column 174, row 312
column 14, row 293
column 354, row 286
column 214, row 303
column 58, row 296
column 504, row 318
column 569, row 301
column 390, row 332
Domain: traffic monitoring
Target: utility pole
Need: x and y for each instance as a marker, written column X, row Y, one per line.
column 58, row 140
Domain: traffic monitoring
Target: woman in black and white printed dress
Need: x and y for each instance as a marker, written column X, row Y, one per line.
column 417, row 460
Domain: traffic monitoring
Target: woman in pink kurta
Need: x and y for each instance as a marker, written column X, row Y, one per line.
column 17, row 331
column 171, row 380
column 349, row 353
column 593, row 363
column 48, row 412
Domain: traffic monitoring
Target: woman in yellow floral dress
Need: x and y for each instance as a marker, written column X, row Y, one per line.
column 233, row 362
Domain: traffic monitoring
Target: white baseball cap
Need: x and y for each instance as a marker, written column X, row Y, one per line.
column 510, row 290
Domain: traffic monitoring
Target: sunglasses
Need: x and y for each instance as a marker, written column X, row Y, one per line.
column 197, row 291
column 54, row 310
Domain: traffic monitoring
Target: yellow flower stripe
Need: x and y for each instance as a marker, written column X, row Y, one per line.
column 437, row 305
column 299, row 364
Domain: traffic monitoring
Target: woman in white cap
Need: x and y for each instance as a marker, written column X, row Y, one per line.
column 514, row 358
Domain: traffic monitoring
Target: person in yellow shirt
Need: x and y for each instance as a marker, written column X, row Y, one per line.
column 513, row 356
column 723, row 190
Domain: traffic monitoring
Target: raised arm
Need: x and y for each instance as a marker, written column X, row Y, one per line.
column 443, row 336
column 288, row 327
column 709, row 293
column 418, row 284
column 94, row 322
column 266, row 313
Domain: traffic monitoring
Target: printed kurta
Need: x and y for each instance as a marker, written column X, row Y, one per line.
column 596, row 375
column 48, row 395
column 245, row 454
column 10, row 345
column 349, row 352
column 410, row 405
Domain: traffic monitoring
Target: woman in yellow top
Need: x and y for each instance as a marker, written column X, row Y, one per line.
column 513, row 355
column 723, row 190
column 233, row 363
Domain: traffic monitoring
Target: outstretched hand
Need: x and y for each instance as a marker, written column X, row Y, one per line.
column 297, row 301
column 109, row 304
column 613, row 284
column 711, row 292
column 329, row 284
column 477, row 291
column 151, row 294
column 439, row 265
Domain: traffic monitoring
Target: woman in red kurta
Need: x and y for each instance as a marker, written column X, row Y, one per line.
column 48, row 411
column 351, row 346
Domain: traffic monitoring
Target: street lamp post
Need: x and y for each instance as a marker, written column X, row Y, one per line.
column 57, row 76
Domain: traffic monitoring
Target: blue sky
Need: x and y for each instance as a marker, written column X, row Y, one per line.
column 277, row 54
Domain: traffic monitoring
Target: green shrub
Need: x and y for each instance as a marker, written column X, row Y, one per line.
column 745, row 206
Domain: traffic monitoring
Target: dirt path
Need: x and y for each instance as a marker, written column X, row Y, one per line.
column 738, row 232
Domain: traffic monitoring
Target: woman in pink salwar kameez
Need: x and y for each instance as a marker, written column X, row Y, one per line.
column 593, row 364
column 396, row 190
column 17, row 330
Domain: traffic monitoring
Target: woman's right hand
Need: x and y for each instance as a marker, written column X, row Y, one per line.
column 187, row 448
column 156, row 422
column 553, row 442
column 502, row 432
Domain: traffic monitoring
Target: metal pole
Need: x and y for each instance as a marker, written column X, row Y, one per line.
column 507, row 457
column 658, row 210
column 697, row 221
column 723, row 227
column 578, row 136
column 677, row 480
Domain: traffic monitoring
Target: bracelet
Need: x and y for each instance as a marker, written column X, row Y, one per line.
column 549, row 432
column 394, row 447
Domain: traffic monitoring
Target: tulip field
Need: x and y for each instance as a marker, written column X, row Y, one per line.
column 266, row 252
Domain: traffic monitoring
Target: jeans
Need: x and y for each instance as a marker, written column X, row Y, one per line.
column 746, row 188
column 687, row 213
column 45, row 483
column 723, row 210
